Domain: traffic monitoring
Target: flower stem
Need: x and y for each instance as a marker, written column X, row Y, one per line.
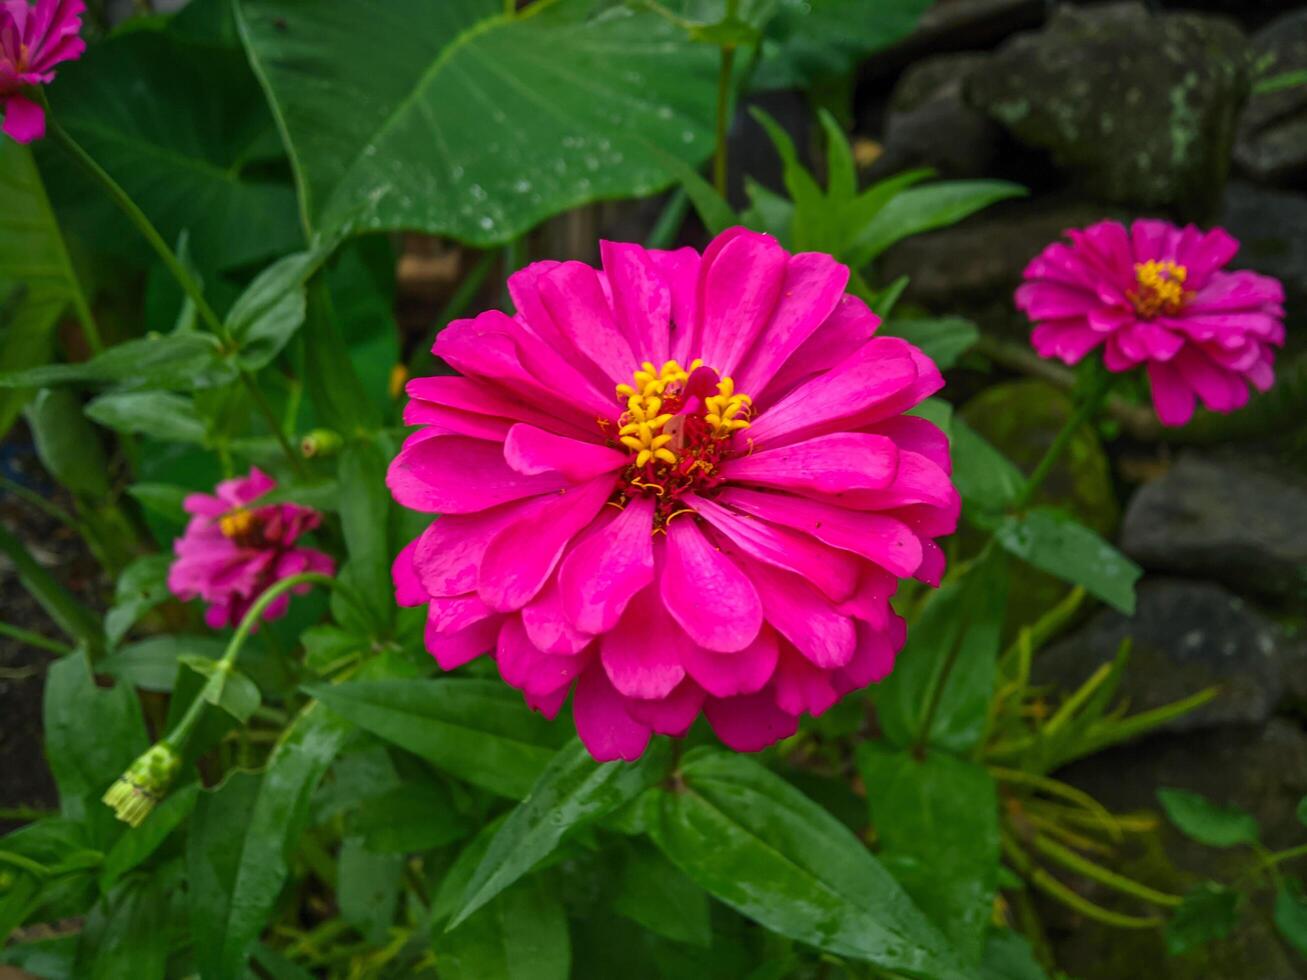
column 724, row 106
column 181, row 274
column 1094, row 392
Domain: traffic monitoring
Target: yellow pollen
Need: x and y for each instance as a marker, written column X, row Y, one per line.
column 237, row 524
column 642, row 424
column 1160, row 288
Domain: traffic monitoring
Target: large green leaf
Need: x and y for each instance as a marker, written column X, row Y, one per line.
column 453, row 118
column 936, row 821
column 241, row 838
column 181, row 124
column 657, row 895
column 37, row 282
column 764, row 848
column 1059, row 544
column 176, row 360
column 521, row 935
column 127, row 934
column 158, row 414
column 572, row 792
column 944, row 675
column 480, row 731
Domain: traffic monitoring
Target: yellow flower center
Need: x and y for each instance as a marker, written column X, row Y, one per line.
column 241, row 525
column 1159, row 288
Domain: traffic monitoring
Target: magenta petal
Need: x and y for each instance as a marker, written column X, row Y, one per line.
column 450, row 550
column 459, row 475
column 873, row 660
column 575, row 299
column 453, row 650
column 408, row 587
column 802, row 688
column 547, row 625
column 850, row 325
column 531, row 451
column 641, row 299
column 24, row 119
column 601, row 574
column 725, row 675
column 800, row 614
column 749, row 723
column 642, row 654
column 1173, row 399
column 740, row 287
column 528, row 668
column 827, row 464
column 521, row 557
column 707, row 593
column 602, row 723
column 672, row 715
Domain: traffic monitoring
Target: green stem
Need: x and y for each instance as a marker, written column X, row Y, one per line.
column 1290, row 854
column 181, row 274
column 1095, row 391
column 669, row 221
column 34, row 639
column 180, row 735
column 723, row 118
column 1072, row 861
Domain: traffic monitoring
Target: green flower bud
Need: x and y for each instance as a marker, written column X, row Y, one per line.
column 321, row 442
column 144, row 785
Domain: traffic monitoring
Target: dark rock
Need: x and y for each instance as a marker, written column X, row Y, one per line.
column 1185, row 636
column 930, row 125
column 1271, row 226
column 1271, row 144
column 1234, row 519
column 1138, row 109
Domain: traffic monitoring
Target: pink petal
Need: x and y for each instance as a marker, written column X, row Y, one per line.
column 453, row 650
column 802, row 616
column 474, row 396
column 602, row 573
column 749, row 723
column 458, row 475
column 531, row 451
column 529, row 669
column 1173, row 399
column 679, row 269
column 873, row 660
column 725, row 675
column 575, row 299
column 672, row 715
column 1220, row 390
column 24, row 119
column 707, row 593
column 521, row 557
column 741, row 285
column 827, row 464
column 642, row 302
column 850, row 325
column 450, row 614
column 408, row 587
column 548, row 627
column 802, row 688
column 642, row 654
column 602, row 722
column 450, row 550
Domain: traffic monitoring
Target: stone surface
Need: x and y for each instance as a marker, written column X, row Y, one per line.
column 1271, row 144
column 1271, row 225
column 1235, row 519
column 1138, row 109
column 1185, row 636
column 929, row 124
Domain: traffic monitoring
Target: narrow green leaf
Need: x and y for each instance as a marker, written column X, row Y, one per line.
column 936, row 822
column 127, row 934
column 1208, row 823
column 367, row 887
column 657, row 895
column 158, row 414
column 365, row 517
column 1057, row 543
column 478, row 731
column 762, row 847
column 943, row 340
column 180, row 361
column 816, row 223
column 151, row 665
column 142, row 585
column 962, row 624
column 410, row 817
column 841, row 171
column 988, row 481
column 573, row 792
column 923, row 209
column 338, row 396
column 272, row 308
column 68, row 445
column 1009, row 956
column 1291, row 915
column 136, row 846
column 225, row 687
column 70, row 615
column 521, row 935
column 1208, row 912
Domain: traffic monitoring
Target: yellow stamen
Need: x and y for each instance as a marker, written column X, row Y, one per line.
column 237, row 524
column 1160, row 288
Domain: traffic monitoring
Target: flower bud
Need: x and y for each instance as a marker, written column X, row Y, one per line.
column 144, row 785
column 321, row 442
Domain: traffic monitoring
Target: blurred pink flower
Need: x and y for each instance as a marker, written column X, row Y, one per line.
column 1157, row 295
column 33, row 39
column 231, row 552
column 681, row 484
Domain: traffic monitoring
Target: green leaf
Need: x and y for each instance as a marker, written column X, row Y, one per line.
column 478, row 731
column 936, row 821
column 339, row 398
column 157, row 414
column 37, row 281
column 365, row 518
column 1302, row 811
column 368, row 886
column 768, row 211
column 151, row 664
column 182, row 361
column 181, row 124
column 762, row 847
column 943, row 340
column 92, row 734
column 810, row 40
column 1208, row 823
column 70, row 615
column 816, row 225
column 573, row 792
column 654, row 893
column 924, row 209
column 142, row 585
column 127, row 934
column 1208, row 912
column 377, row 110
column 272, row 308
column 411, row 817
column 521, row 935
column 1057, row 543
column 225, row 687
column 241, row 839
column 68, row 446
column 1009, row 956
column 962, row 624
column 136, row 846
column 1291, row 915
column 988, row 481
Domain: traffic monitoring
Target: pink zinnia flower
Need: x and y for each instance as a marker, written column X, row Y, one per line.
column 231, row 552
column 1158, row 295
column 33, row 39
column 683, row 483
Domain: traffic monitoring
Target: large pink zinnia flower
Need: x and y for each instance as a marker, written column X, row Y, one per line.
column 33, row 39
column 682, row 483
column 1157, row 295
column 232, row 552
